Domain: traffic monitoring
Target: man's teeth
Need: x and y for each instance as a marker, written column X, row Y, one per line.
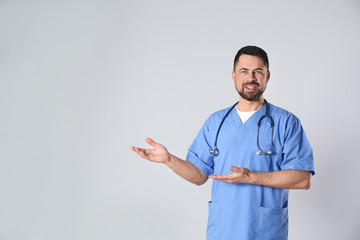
column 250, row 86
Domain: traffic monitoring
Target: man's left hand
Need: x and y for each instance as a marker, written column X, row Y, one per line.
column 239, row 175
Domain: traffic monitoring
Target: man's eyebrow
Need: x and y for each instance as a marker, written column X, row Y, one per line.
column 256, row 69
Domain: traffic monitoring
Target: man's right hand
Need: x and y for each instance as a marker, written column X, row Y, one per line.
column 158, row 154
column 183, row 168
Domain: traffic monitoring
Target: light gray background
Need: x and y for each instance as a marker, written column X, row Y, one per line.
column 82, row 81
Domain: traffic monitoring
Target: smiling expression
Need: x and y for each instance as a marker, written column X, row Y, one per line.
column 250, row 77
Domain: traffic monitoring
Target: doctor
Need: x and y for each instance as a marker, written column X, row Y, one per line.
column 250, row 191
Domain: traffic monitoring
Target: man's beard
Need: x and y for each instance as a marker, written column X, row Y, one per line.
column 250, row 96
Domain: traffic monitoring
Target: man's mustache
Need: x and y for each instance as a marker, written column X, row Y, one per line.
column 252, row 83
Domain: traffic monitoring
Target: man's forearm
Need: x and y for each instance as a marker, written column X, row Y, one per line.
column 186, row 170
column 287, row 179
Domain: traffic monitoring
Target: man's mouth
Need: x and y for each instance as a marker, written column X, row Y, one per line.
column 251, row 87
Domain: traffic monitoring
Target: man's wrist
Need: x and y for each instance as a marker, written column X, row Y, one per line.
column 170, row 160
column 254, row 178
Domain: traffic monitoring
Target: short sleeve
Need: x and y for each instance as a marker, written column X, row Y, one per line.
column 199, row 154
column 297, row 152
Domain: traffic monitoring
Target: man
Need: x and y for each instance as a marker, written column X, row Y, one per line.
column 250, row 191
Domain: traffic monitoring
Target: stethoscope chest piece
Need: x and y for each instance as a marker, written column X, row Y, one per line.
column 214, row 151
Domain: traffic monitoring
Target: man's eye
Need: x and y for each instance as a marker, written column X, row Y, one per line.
column 243, row 72
column 258, row 72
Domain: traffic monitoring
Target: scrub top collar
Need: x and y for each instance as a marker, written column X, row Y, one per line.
column 255, row 117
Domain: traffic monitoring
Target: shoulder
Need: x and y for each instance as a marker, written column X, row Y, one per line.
column 219, row 115
column 284, row 117
column 281, row 112
column 215, row 118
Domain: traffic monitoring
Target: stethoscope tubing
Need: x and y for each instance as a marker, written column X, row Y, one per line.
column 215, row 151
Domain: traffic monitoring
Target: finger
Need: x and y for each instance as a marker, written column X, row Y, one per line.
column 227, row 177
column 239, row 170
column 135, row 149
column 150, row 142
column 235, row 169
column 144, row 153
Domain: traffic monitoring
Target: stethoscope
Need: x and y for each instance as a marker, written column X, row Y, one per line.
column 215, row 151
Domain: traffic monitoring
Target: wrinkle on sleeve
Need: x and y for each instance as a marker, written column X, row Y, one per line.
column 297, row 152
column 199, row 154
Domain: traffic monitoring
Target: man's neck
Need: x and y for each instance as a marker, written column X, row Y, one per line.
column 250, row 106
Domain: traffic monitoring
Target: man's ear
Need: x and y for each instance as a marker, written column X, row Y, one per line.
column 267, row 76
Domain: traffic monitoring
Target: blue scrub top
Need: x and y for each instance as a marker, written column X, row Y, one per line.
column 244, row 211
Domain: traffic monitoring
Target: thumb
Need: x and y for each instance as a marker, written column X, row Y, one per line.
column 235, row 169
column 150, row 142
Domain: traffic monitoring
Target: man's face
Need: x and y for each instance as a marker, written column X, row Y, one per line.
column 250, row 77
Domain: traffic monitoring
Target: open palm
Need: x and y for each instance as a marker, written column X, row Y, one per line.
column 158, row 154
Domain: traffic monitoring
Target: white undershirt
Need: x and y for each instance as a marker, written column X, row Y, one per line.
column 244, row 116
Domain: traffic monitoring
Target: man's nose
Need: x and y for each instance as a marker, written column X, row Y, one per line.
column 251, row 76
